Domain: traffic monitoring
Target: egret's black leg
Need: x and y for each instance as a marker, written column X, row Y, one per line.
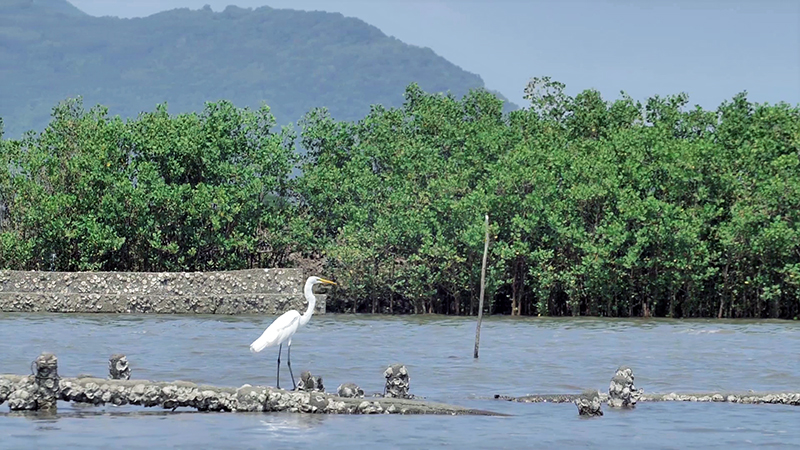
column 278, row 383
column 289, row 363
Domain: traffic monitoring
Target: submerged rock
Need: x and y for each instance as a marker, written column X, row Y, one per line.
column 350, row 390
column 589, row 404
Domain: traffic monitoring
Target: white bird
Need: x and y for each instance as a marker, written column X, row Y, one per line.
column 285, row 326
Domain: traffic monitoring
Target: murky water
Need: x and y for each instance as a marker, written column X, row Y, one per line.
column 518, row 357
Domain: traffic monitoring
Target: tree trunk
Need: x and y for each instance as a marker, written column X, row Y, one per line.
column 514, row 294
column 672, row 304
column 727, row 290
column 471, row 303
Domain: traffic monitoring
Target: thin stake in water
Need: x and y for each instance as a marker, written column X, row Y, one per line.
column 483, row 286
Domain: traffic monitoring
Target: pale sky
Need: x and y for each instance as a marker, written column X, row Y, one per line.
column 711, row 49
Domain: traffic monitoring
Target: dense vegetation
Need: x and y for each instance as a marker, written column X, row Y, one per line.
column 597, row 208
column 291, row 60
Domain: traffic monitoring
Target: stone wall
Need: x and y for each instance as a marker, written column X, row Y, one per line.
column 254, row 291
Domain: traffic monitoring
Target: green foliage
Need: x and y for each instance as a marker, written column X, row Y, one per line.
column 400, row 223
column 619, row 208
column 188, row 192
column 600, row 208
column 292, row 60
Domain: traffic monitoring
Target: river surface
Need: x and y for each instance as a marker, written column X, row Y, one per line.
column 517, row 357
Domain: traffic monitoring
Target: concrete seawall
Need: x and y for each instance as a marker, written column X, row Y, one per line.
column 253, row 291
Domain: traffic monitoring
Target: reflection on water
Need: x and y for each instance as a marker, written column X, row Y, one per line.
column 518, row 356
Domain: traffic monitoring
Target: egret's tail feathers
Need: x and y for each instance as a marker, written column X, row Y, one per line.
column 261, row 343
column 257, row 346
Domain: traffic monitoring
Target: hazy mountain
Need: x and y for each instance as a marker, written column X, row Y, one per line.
column 292, row 60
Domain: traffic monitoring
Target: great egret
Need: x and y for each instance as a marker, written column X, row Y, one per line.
column 285, row 326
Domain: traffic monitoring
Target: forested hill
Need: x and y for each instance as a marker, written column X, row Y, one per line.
column 292, row 60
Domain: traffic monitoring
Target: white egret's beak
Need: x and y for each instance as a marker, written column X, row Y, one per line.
column 323, row 280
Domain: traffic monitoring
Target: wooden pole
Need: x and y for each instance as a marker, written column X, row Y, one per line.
column 483, row 287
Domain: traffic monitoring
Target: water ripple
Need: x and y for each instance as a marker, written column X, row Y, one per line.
column 518, row 356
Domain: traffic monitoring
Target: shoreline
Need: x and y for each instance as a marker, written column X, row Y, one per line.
column 251, row 291
column 235, row 292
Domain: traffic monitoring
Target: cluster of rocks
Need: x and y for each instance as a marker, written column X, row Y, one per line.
column 784, row 398
column 310, row 383
column 545, row 398
column 35, row 392
column 397, row 382
column 118, row 367
column 254, row 291
column 622, row 393
column 41, row 391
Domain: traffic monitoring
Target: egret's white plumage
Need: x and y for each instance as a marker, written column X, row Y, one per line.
column 282, row 328
column 285, row 326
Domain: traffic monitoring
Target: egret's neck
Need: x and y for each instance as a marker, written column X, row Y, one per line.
column 312, row 302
